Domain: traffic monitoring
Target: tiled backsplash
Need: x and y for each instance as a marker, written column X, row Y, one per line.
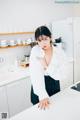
column 8, row 56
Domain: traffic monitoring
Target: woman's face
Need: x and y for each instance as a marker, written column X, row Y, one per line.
column 44, row 42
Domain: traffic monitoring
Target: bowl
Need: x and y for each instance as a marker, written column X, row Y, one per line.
column 3, row 43
column 12, row 42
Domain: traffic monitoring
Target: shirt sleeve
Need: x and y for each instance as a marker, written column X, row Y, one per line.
column 37, row 76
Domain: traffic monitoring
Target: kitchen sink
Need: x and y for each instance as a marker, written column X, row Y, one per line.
column 76, row 87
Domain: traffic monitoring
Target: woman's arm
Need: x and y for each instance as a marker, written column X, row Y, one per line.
column 37, row 76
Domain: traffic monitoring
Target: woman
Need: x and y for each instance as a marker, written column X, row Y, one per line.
column 47, row 66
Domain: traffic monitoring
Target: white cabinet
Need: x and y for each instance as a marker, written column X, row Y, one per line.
column 69, row 31
column 18, row 94
column 28, row 90
column 69, row 79
column 64, row 29
column 76, row 37
column 3, row 103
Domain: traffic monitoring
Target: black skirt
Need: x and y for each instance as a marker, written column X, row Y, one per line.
column 52, row 86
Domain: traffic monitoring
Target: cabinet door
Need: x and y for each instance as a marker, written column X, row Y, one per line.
column 3, row 103
column 76, row 36
column 68, row 80
column 28, row 90
column 63, row 29
column 17, row 96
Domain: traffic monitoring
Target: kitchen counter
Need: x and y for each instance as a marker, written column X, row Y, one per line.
column 12, row 74
column 65, row 105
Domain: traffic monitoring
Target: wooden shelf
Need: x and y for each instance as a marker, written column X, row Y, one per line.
column 21, row 45
column 15, row 33
column 15, row 46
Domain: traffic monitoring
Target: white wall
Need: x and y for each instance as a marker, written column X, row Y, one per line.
column 25, row 15
column 8, row 56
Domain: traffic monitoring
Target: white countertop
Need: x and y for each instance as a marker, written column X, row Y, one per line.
column 65, row 105
column 12, row 74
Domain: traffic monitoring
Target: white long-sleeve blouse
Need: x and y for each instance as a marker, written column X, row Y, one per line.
column 57, row 69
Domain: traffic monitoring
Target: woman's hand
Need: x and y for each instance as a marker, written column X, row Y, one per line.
column 43, row 104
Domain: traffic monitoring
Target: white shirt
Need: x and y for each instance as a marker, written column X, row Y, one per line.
column 57, row 69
